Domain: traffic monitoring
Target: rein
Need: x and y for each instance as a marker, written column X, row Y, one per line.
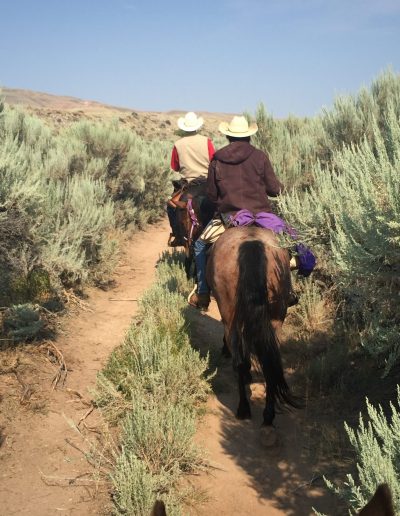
column 193, row 218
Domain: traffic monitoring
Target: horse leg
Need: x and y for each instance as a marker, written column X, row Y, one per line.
column 269, row 411
column 241, row 364
column 243, row 411
column 190, row 267
column 248, row 379
column 225, row 351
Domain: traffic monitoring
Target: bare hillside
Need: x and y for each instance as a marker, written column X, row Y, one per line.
column 61, row 110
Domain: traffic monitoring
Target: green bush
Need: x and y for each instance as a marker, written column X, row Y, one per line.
column 137, row 489
column 292, row 145
column 155, row 385
column 376, row 442
column 135, row 172
column 160, row 434
column 350, row 217
column 69, row 194
column 23, row 322
column 352, row 118
column 154, row 361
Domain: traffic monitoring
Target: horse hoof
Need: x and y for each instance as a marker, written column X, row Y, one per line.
column 268, row 436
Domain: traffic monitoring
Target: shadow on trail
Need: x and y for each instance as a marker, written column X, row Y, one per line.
column 286, row 474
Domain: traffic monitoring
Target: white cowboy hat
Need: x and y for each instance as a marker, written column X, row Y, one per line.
column 190, row 122
column 238, row 127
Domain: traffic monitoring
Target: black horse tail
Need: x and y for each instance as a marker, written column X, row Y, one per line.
column 252, row 321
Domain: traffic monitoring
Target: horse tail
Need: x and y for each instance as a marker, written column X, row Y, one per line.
column 252, row 321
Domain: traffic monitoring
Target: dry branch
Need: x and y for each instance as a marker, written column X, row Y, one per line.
column 55, row 355
column 120, row 299
column 73, row 300
column 80, row 397
column 86, row 415
column 71, row 481
column 27, row 390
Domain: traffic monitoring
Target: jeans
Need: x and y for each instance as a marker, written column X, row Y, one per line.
column 200, row 250
column 211, row 233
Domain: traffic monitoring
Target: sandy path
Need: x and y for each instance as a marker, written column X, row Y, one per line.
column 249, row 478
column 35, row 442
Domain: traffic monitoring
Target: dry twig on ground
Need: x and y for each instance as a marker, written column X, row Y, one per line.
column 27, row 390
column 54, row 355
column 73, row 300
column 80, row 480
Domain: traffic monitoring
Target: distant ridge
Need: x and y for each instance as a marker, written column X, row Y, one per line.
column 61, row 110
column 41, row 100
column 38, row 100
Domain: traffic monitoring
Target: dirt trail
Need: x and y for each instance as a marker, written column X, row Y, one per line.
column 34, row 442
column 248, row 479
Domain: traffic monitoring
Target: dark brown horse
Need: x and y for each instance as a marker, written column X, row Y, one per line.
column 194, row 211
column 249, row 275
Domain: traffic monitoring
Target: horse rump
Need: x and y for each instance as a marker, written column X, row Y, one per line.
column 252, row 321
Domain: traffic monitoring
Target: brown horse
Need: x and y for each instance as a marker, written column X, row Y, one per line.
column 249, row 275
column 194, row 211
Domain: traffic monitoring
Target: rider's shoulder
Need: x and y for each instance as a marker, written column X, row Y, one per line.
column 259, row 154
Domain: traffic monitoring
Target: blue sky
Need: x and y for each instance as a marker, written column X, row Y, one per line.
column 212, row 55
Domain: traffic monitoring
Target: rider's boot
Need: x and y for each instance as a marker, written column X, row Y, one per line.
column 176, row 242
column 200, row 301
column 293, row 298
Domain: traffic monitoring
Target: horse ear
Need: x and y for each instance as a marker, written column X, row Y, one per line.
column 380, row 504
column 159, row 509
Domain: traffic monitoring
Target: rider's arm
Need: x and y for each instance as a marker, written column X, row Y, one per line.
column 273, row 186
column 175, row 165
column 211, row 149
column 212, row 192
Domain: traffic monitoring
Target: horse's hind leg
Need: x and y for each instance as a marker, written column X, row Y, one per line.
column 243, row 411
column 269, row 411
column 241, row 364
column 225, row 351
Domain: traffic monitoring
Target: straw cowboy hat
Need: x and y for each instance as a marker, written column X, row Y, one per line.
column 190, row 122
column 238, row 127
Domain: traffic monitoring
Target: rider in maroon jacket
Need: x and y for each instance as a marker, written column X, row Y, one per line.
column 239, row 177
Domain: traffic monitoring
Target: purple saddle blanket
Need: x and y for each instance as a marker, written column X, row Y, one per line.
column 271, row 221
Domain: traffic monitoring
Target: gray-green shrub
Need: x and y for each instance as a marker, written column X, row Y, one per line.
column 154, row 386
column 376, row 443
column 71, row 192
